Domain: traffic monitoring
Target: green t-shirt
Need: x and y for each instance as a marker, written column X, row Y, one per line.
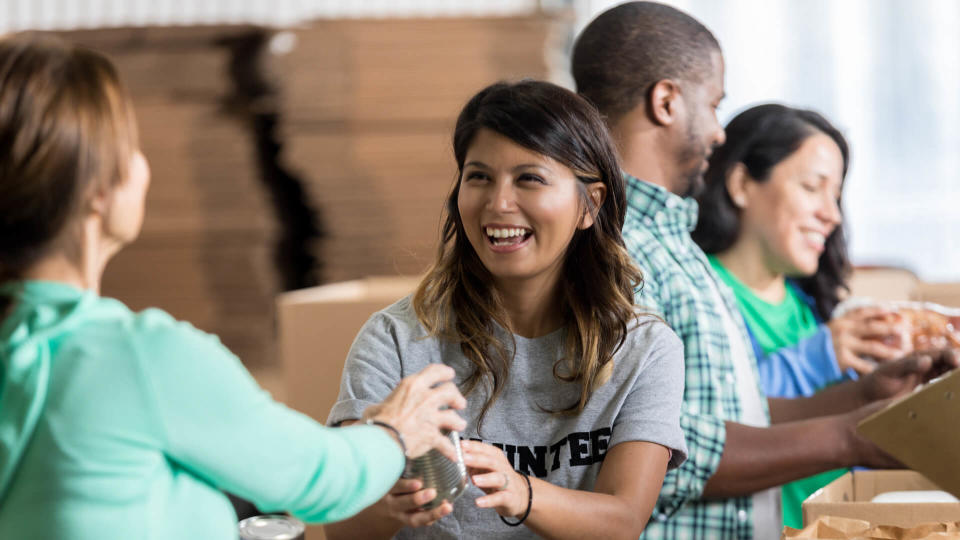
column 123, row 425
column 776, row 326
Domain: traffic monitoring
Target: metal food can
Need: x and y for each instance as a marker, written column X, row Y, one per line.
column 437, row 471
column 272, row 527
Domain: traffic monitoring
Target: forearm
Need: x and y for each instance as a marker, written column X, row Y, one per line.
column 836, row 399
column 373, row 523
column 560, row 513
column 755, row 459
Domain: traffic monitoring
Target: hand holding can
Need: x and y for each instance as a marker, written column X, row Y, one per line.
column 422, row 410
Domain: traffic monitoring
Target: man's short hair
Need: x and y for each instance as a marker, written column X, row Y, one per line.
column 626, row 50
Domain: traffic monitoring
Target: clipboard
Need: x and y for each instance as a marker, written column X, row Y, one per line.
column 923, row 431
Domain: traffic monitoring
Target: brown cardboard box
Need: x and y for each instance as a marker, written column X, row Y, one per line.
column 849, row 496
column 317, row 327
column 883, row 283
column 945, row 294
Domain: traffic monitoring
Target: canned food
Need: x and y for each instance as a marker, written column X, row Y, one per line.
column 272, row 527
column 437, row 471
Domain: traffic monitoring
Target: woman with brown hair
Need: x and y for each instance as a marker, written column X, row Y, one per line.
column 573, row 393
column 120, row 425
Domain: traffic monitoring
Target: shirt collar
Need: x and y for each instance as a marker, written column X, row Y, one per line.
column 40, row 291
column 655, row 202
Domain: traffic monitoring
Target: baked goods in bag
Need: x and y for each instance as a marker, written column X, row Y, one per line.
column 928, row 328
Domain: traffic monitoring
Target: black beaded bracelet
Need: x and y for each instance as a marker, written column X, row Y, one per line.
column 529, row 503
column 403, row 444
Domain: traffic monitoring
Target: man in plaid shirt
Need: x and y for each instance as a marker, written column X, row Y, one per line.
column 657, row 76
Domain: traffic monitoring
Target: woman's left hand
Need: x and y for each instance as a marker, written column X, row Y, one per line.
column 506, row 490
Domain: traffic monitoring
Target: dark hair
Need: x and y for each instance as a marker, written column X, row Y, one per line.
column 456, row 299
column 66, row 130
column 760, row 138
column 626, row 50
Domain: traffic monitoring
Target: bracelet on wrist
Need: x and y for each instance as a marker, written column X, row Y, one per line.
column 395, row 431
column 529, row 503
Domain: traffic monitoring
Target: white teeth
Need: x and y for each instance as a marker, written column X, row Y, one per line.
column 815, row 237
column 504, row 232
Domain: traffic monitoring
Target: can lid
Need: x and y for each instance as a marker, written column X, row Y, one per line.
column 276, row 527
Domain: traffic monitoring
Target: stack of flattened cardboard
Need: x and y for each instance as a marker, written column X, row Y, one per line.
column 370, row 109
column 204, row 253
column 367, row 112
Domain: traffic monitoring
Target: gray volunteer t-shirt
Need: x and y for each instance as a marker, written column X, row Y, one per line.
column 640, row 402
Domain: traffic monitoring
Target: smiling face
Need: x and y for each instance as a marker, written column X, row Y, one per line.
column 519, row 209
column 791, row 214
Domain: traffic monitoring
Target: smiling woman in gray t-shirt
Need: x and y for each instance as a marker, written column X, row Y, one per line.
column 573, row 393
column 640, row 402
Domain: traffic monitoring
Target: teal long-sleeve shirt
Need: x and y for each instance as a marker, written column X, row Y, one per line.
column 123, row 425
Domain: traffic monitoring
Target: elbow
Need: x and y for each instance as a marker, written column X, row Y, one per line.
column 635, row 529
column 631, row 530
column 629, row 523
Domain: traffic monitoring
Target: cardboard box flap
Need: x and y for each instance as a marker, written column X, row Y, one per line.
column 365, row 289
column 851, row 496
column 317, row 326
column 921, row 431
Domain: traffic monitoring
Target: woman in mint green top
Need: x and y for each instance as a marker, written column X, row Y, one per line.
column 771, row 222
column 115, row 424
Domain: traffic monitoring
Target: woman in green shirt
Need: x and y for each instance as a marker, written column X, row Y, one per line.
column 115, row 424
column 771, row 224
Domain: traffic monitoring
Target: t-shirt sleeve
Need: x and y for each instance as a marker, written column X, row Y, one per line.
column 221, row 426
column 801, row 369
column 372, row 370
column 651, row 410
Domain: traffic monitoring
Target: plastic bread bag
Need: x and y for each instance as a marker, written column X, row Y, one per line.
column 928, row 326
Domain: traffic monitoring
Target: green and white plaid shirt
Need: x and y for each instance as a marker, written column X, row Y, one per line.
column 677, row 285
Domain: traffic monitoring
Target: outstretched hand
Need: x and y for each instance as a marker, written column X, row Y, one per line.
column 868, row 335
column 861, row 451
column 405, row 502
column 896, row 378
column 420, row 407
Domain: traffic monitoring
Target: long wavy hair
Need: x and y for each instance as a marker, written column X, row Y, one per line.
column 760, row 138
column 457, row 301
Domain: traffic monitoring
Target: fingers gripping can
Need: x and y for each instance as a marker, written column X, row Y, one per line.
column 272, row 527
column 437, row 471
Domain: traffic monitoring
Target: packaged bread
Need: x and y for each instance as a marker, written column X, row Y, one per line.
column 928, row 325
